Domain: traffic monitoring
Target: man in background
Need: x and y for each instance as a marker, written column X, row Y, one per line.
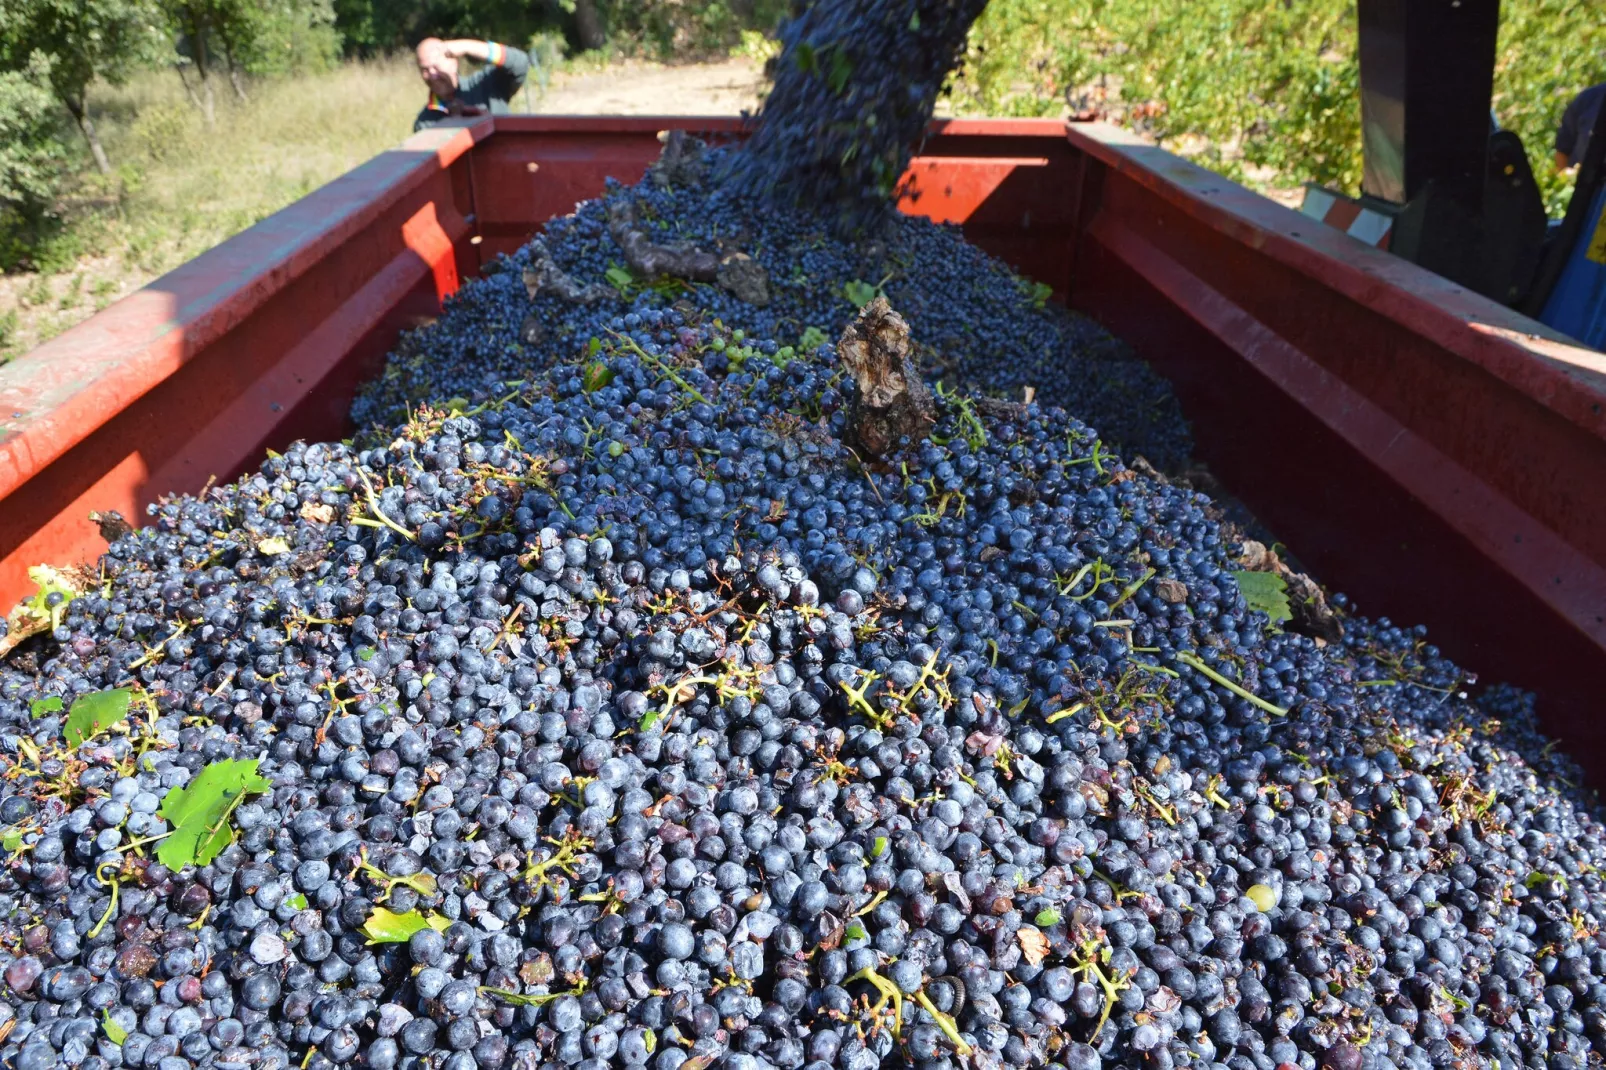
column 488, row 89
column 1576, row 123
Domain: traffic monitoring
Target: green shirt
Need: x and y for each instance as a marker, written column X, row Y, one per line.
column 490, row 88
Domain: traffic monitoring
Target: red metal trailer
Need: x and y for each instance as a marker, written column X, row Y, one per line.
column 1437, row 456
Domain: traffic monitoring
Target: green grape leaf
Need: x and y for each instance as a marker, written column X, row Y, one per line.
column 1046, row 917
column 855, row 931
column 859, row 292
column 878, row 847
column 35, row 614
column 114, row 1032
column 199, row 813
column 298, row 901
column 1266, row 592
column 597, row 375
column 841, row 71
column 41, row 706
column 93, row 714
column 619, row 277
column 388, row 927
column 11, row 840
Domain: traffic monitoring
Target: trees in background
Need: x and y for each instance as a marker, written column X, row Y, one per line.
column 67, row 44
column 236, row 38
column 32, row 157
column 1262, row 90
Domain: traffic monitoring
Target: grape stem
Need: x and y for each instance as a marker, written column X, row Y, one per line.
column 1193, row 661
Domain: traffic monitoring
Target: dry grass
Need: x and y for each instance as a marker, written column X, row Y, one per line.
column 183, row 187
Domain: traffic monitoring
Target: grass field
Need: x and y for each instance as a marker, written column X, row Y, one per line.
column 182, row 187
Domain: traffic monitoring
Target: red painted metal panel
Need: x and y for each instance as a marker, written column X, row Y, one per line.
column 1434, row 454
column 192, row 376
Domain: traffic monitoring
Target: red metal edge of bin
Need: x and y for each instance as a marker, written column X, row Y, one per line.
column 86, row 420
column 1425, row 449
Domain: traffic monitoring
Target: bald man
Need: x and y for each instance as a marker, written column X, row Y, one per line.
column 488, row 89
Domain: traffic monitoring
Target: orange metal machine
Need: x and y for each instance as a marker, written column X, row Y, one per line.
column 1436, row 455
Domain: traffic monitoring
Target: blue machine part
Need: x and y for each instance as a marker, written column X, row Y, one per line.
column 1577, row 305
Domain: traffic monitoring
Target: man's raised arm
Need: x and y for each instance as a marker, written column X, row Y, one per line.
column 509, row 66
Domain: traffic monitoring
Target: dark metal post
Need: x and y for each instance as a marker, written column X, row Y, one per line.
column 1427, row 77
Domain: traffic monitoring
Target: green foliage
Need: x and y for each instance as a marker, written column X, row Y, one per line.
column 1266, row 592
column 666, row 29
column 596, row 376
column 287, row 36
column 41, row 706
column 388, row 927
column 859, row 292
column 93, row 714
column 33, row 160
column 1263, row 92
column 199, row 813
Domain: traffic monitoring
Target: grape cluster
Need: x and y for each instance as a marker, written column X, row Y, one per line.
column 605, row 703
column 982, row 328
column 683, row 735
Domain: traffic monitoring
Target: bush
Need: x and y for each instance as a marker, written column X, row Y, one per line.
column 33, row 162
column 1267, row 92
column 676, row 28
column 291, row 37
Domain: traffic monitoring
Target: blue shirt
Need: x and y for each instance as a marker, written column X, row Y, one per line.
column 489, row 88
column 1572, row 140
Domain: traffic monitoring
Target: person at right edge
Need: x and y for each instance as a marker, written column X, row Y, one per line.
column 489, row 89
column 1572, row 138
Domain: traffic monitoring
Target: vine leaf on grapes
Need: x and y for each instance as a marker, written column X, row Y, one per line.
column 388, row 927
column 597, row 375
column 37, row 614
column 273, row 546
column 93, row 714
column 859, row 292
column 41, row 706
column 114, row 1032
column 200, row 812
column 1267, row 592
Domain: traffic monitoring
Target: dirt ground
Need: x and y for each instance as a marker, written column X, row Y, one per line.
column 650, row 89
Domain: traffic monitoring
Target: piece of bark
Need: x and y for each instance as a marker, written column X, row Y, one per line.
column 745, row 279
column 112, row 525
column 680, row 163
column 1000, row 409
column 648, row 260
column 544, row 275
column 891, row 402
